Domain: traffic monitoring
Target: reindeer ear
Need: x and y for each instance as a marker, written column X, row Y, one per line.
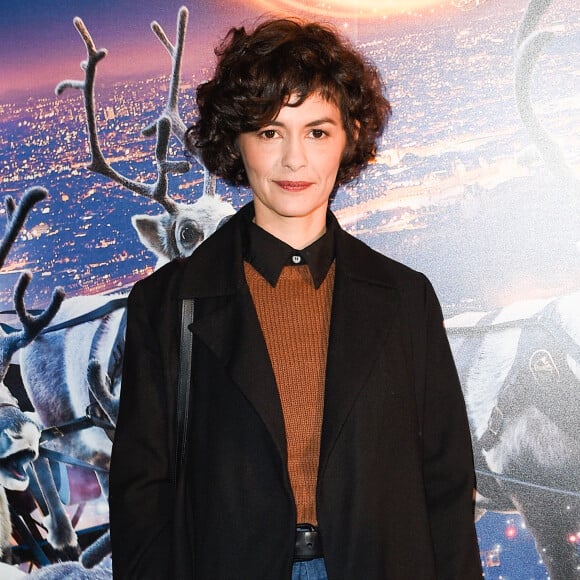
column 152, row 233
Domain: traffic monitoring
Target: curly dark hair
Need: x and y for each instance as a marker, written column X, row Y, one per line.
column 258, row 73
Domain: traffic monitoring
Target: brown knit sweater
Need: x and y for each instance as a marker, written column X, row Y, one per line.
column 295, row 321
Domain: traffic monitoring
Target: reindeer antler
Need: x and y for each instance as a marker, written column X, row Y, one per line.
column 156, row 191
column 31, row 325
column 529, row 46
column 171, row 110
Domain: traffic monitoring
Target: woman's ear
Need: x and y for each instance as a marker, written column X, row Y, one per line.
column 351, row 144
column 356, row 131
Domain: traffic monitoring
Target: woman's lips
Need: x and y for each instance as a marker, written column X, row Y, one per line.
column 293, row 185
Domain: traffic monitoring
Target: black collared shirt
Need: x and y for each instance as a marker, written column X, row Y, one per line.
column 268, row 255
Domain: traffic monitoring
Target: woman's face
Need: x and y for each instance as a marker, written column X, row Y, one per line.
column 292, row 162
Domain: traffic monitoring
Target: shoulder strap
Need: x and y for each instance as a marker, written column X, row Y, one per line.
column 183, row 382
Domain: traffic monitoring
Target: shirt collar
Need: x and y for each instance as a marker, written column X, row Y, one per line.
column 268, row 255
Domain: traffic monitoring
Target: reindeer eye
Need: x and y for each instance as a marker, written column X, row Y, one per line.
column 190, row 235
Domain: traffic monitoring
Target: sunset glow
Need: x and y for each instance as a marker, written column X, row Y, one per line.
column 348, row 8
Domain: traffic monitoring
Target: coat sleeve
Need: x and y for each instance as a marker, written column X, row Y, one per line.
column 448, row 460
column 141, row 489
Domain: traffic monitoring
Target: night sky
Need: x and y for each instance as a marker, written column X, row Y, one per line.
column 39, row 45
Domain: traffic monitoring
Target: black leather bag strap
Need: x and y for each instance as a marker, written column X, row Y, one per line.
column 183, row 382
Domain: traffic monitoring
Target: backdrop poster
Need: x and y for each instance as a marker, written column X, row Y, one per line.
column 477, row 184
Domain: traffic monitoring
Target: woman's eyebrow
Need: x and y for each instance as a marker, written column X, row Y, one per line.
column 322, row 121
column 314, row 123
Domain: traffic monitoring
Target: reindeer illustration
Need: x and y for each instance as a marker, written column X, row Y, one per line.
column 520, row 371
column 78, row 363
column 19, row 433
column 182, row 227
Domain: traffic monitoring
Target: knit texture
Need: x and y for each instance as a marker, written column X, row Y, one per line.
column 295, row 321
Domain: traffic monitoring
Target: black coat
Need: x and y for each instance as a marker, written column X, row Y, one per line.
column 395, row 482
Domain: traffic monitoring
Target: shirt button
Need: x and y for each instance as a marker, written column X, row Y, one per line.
column 297, row 259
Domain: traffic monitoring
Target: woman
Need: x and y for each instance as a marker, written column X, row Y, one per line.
column 327, row 431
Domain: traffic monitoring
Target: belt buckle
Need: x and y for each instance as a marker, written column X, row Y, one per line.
column 307, row 544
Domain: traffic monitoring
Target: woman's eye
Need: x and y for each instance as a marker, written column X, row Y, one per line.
column 318, row 133
column 268, row 134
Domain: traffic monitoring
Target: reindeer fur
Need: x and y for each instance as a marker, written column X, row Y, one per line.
column 533, row 447
column 19, row 433
column 170, row 236
column 60, row 571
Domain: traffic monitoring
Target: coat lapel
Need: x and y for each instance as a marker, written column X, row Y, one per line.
column 233, row 333
column 226, row 321
column 364, row 306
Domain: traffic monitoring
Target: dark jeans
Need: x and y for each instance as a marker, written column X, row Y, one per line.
column 309, row 570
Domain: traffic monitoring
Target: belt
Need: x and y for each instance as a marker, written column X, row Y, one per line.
column 308, row 543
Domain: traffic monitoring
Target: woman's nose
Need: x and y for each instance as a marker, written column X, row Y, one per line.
column 294, row 154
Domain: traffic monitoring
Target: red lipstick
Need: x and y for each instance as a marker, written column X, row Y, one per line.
column 293, row 185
